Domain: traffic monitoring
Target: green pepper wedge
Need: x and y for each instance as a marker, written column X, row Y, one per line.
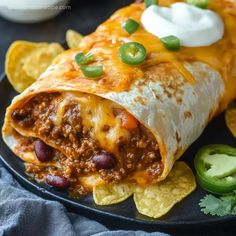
column 216, row 168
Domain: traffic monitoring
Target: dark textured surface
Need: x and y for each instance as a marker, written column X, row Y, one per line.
column 85, row 18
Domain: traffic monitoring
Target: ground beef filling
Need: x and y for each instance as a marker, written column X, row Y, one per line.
column 140, row 152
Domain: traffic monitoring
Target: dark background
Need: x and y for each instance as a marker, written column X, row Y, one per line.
column 84, row 16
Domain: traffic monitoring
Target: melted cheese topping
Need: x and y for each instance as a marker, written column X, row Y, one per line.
column 96, row 113
column 106, row 40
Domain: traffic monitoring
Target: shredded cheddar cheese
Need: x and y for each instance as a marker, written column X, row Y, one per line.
column 96, row 114
column 109, row 36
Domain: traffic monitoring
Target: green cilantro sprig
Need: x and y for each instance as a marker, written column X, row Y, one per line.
column 219, row 206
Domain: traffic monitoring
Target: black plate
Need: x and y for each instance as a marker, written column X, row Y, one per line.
column 185, row 214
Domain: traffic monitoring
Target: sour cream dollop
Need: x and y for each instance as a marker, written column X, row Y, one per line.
column 194, row 26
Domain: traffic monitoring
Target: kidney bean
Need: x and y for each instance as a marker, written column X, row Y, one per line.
column 43, row 151
column 104, row 160
column 16, row 116
column 59, row 182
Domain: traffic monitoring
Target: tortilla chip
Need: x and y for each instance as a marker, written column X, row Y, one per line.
column 156, row 200
column 38, row 60
column 73, row 38
column 112, row 193
column 25, row 61
column 230, row 118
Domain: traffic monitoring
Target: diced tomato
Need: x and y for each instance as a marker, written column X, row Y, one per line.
column 128, row 121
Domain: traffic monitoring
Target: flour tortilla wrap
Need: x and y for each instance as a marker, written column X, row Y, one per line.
column 162, row 99
column 176, row 120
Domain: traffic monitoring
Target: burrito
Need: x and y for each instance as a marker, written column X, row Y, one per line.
column 125, row 104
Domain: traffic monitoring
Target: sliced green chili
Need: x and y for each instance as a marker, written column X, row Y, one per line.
column 132, row 53
column 171, row 42
column 83, row 59
column 148, row 3
column 92, row 71
column 131, row 26
column 216, row 168
column 199, row 3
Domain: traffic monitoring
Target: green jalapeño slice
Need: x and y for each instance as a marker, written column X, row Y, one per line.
column 131, row 26
column 171, row 42
column 149, row 3
column 216, row 168
column 92, row 71
column 132, row 53
column 83, row 59
column 199, row 3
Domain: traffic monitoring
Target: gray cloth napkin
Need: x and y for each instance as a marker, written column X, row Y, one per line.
column 23, row 213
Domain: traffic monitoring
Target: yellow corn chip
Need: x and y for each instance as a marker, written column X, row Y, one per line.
column 73, row 38
column 25, row 61
column 112, row 193
column 230, row 118
column 156, row 200
column 39, row 59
